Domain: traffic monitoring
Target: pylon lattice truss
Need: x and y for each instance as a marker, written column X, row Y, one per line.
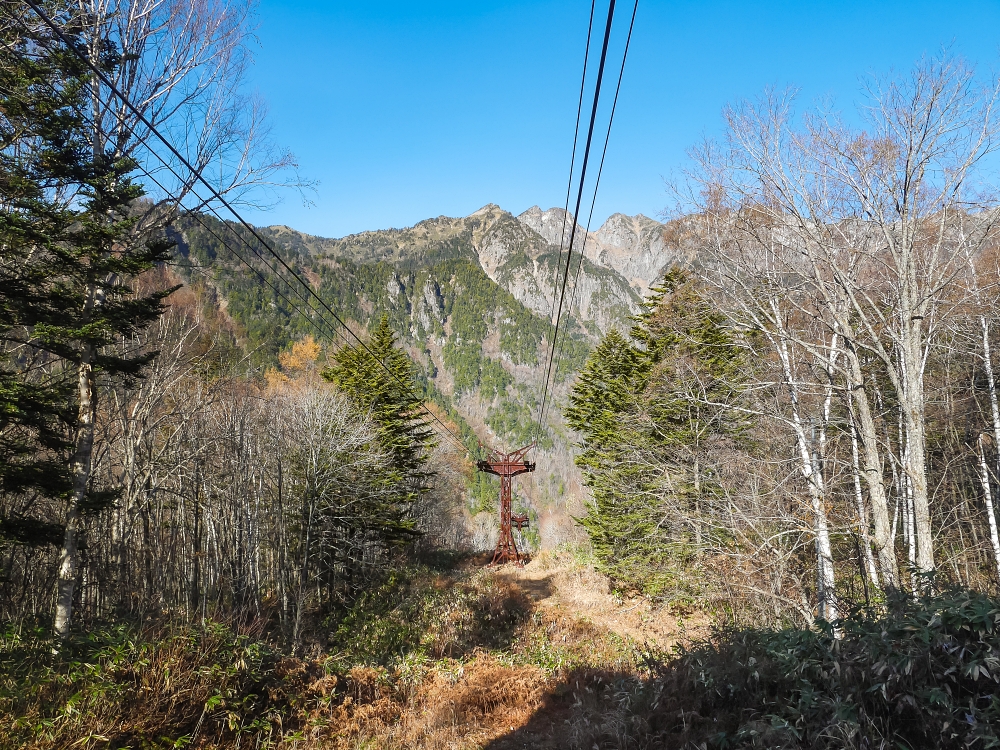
column 507, row 466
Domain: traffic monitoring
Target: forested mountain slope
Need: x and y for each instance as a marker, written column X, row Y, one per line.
column 471, row 298
column 518, row 253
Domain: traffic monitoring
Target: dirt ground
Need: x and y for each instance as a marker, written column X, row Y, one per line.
column 590, row 696
column 563, row 588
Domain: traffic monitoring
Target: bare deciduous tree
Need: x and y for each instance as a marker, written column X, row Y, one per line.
column 180, row 65
column 864, row 234
column 183, row 66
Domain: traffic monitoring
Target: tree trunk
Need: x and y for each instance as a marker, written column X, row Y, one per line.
column 984, row 476
column 862, row 515
column 69, row 555
column 828, row 609
column 306, row 543
column 811, row 469
column 283, row 558
column 995, row 411
column 697, row 507
column 916, row 441
column 872, row 464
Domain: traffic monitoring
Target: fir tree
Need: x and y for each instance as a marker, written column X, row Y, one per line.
column 40, row 154
column 393, row 400
column 649, row 409
column 71, row 247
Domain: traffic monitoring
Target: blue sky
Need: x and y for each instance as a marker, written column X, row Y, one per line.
column 408, row 110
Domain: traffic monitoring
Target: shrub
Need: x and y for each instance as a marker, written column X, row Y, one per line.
column 116, row 687
column 925, row 673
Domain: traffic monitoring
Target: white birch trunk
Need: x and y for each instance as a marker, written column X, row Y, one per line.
column 69, row 554
column 862, row 513
column 995, row 410
column 812, row 473
column 984, row 476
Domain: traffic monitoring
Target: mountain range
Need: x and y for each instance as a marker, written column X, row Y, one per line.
column 471, row 299
column 622, row 258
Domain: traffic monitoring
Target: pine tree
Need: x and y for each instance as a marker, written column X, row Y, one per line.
column 393, row 400
column 71, row 247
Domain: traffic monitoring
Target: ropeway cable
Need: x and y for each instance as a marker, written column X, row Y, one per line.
column 597, row 182
column 576, row 212
column 326, row 328
column 572, row 162
column 217, row 196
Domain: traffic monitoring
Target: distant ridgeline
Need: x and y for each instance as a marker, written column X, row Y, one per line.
column 469, row 297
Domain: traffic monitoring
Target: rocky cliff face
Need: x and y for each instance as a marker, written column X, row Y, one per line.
column 634, row 247
column 472, row 298
column 521, row 254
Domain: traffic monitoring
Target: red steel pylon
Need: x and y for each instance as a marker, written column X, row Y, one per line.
column 506, row 466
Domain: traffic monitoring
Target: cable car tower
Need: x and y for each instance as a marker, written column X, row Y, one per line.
column 507, row 466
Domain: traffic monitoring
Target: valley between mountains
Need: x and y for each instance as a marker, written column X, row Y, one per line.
column 470, row 299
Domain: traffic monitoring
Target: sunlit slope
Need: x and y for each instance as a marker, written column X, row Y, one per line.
column 519, row 253
column 470, row 297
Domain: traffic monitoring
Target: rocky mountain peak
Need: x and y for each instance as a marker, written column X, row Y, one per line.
column 487, row 210
column 632, row 246
column 622, row 258
column 550, row 225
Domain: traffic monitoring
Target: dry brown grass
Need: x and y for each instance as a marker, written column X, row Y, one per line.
column 560, row 583
column 566, row 673
column 572, row 677
column 465, row 706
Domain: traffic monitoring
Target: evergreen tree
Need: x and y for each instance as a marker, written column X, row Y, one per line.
column 393, row 400
column 70, row 250
column 651, row 409
column 40, row 153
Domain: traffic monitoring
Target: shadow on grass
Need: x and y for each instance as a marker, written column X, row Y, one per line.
column 923, row 673
column 588, row 708
column 428, row 614
column 537, row 589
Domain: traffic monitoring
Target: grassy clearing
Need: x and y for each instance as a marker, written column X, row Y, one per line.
column 461, row 657
column 429, row 658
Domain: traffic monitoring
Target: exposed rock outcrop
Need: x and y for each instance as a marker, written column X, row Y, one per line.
column 634, row 247
column 522, row 255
